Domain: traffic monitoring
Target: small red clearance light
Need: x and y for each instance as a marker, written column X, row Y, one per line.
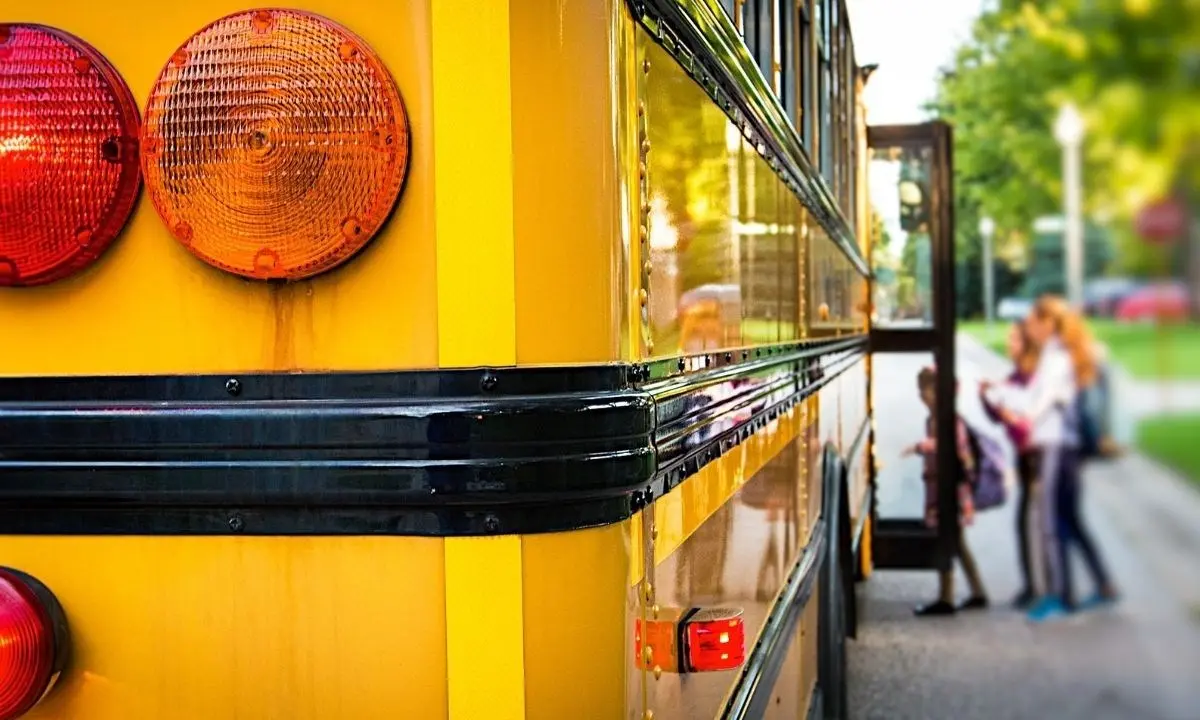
column 275, row 144
column 716, row 640
column 34, row 642
column 68, row 154
column 695, row 640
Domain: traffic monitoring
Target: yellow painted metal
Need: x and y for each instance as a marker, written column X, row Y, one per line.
column 473, row 145
column 738, row 555
column 678, row 514
column 633, row 150
column 485, row 634
column 196, row 628
column 578, row 638
column 149, row 306
column 571, row 275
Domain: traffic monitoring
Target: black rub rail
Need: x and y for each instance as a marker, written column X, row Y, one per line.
column 452, row 452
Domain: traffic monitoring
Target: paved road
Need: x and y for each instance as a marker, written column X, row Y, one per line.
column 1140, row 660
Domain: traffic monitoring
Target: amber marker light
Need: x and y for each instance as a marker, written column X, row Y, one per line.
column 275, row 144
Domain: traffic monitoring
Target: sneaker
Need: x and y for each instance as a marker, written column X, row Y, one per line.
column 935, row 608
column 975, row 602
column 1048, row 608
column 1099, row 600
column 1024, row 600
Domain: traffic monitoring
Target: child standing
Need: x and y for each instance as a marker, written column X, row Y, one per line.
column 1003, row 403
column 927, row 448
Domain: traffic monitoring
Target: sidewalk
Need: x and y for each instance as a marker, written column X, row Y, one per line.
column 1138, row 660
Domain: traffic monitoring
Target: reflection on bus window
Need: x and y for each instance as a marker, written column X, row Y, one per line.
column 900, row 201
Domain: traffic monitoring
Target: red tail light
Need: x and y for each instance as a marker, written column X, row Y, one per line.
column 33, row 642
column 716, row 640
column 275, row 144
column 68, row 154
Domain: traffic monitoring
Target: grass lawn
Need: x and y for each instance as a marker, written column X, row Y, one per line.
column 1144, row 350
column 1172, row 440
column 994, row 336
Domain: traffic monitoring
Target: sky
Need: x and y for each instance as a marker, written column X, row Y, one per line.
column 910, row 40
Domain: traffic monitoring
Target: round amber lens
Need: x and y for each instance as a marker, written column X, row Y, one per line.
column 275, row 144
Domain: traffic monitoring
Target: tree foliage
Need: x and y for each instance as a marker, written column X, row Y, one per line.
column 1133, row 69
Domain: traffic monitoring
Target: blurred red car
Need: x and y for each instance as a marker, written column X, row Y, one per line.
column 1168, row 301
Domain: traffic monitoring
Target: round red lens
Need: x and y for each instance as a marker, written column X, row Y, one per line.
column 69, row 169
column 27, row 646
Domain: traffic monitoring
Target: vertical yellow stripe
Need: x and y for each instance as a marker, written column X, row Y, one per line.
column 485, row 658
column 473, row 200
column 473, row 185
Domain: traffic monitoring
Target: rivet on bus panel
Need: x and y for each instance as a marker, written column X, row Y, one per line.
column 262, row 21
column 649, row 592
column 646, row 65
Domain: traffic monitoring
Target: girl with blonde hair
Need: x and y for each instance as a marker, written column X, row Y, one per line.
column 1066, row 365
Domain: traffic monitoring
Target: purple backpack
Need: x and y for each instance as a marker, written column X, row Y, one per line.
column 990, row 468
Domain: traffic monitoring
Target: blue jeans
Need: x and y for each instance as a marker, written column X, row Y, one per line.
column 1071, row 528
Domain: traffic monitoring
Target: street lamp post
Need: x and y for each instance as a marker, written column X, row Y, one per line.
column 1068, row 131
column 987, row 227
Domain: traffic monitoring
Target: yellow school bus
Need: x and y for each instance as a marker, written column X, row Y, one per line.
column 430, row 359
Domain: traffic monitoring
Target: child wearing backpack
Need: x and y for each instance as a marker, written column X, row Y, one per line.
column 927, row 449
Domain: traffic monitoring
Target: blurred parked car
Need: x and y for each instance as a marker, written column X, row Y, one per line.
column 1102, row 296
column 1168, row 301
column 1013, row 308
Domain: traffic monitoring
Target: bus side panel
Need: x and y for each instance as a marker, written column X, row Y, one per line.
column 793, row 687
column 578, row 622
column 569, row 160
column 149, row 306
column 197, row 628
column 854, row 428
column 727, row 537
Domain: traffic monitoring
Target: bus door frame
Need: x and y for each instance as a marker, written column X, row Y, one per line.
column 902, row 543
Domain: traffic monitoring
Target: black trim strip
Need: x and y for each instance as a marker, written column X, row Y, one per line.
column 752, row 693
column 458, row 452
column 816, row 704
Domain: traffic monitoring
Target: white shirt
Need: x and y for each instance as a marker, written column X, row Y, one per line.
column 1051, row 394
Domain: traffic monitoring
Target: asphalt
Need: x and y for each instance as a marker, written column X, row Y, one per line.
column 1139, row 660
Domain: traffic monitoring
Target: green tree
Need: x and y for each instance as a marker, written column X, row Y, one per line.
column 1131, row 66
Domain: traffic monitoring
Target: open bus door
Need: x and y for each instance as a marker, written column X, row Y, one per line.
column 912, row 293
